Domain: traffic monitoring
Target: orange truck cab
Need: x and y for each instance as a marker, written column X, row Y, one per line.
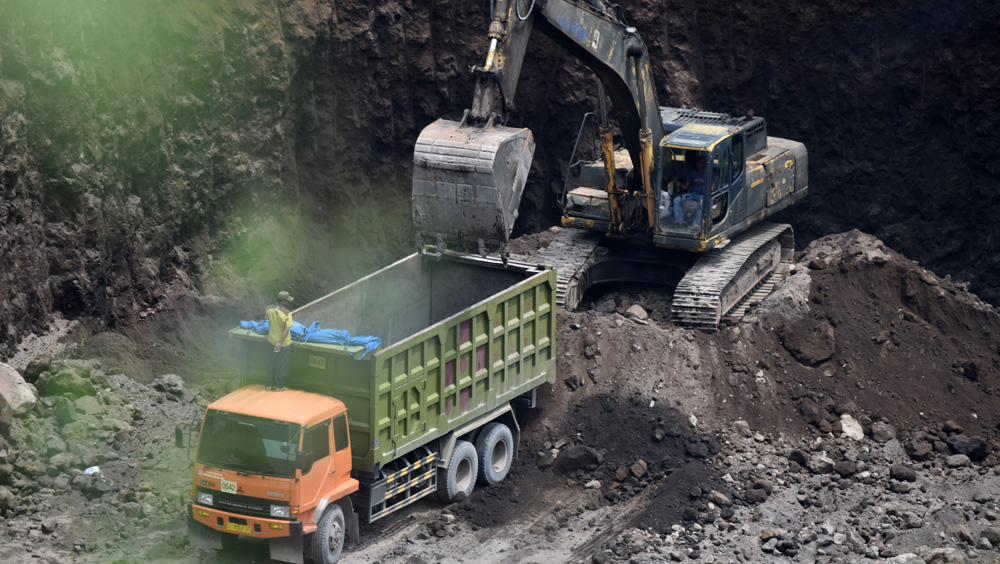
column 270, row 465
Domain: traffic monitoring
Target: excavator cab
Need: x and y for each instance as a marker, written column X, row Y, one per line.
column 699, row 177
column 684, row 190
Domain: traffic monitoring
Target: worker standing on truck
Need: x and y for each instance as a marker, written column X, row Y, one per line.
column 279, row 334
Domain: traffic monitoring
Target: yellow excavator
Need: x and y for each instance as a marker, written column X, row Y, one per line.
column 682, row 203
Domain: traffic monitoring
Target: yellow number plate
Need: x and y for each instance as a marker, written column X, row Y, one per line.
column 245, row 529
column 316, row 361
column 228, row 487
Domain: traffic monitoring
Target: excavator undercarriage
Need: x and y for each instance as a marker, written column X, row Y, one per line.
column 709, row 289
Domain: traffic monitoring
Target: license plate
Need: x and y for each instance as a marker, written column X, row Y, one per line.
column 228, row 487
column 245, row 529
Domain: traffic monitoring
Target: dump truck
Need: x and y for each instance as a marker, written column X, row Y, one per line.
column 466, row 342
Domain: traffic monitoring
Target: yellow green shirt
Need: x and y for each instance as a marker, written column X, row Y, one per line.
column 278, row 318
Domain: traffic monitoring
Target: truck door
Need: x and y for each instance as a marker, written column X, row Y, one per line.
column 341, row 448
column 315, row 462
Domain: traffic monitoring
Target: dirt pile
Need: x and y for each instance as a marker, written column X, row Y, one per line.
column 835, row 423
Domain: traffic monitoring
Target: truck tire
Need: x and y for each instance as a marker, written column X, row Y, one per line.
column 328, row 540
column 495, row 447
column 455, row 482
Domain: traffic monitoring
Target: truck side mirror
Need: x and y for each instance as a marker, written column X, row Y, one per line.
column 178, row 437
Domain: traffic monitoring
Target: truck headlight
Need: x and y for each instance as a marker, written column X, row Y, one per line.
column 280, row 511
column 204, row 498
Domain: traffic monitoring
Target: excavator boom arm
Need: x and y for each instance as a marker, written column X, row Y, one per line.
column 610, row 48
column 468, row 176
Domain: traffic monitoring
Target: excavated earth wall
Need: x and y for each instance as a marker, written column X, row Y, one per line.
column 238, row 148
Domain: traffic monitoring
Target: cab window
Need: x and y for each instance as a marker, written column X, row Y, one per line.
column 340, row 433
column 315, row 445
column 737, row 155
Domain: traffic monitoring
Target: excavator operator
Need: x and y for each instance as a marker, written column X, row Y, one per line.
column 691, row 190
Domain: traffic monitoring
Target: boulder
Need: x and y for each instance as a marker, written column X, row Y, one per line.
column 810, row 345
column 170, row 383
column 973, row 447
column 7, row 499
column 696, row 449
column 799, row 457
column 38, row 365
column 902, row 473
column 577, row 457
column 755, row 495
column 718, row 498
column 16, row 395
column 66, row 379
column 636, row 311
column 882, row 432
column 638, row 469
column 957, row 461
column 88, row 405
column 845, row 468
column 851, row 428
column 919, row 450
column 821, row 464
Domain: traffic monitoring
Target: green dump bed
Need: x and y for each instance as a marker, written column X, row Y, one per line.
column 461, row 335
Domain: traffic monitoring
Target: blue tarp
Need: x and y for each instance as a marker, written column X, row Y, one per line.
column 316, row 334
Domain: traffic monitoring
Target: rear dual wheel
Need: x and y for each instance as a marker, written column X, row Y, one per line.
column 495, row 450
column 456, row 481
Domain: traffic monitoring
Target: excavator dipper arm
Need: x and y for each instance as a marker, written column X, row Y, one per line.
column 469, row 176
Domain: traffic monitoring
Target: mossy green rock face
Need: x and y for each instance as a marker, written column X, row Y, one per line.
column 66, row 380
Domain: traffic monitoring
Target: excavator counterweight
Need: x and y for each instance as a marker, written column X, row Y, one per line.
column 467, row 182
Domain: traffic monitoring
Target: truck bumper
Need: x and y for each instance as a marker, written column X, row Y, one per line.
column 206, row 527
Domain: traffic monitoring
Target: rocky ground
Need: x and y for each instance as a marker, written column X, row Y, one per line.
column 852, row 417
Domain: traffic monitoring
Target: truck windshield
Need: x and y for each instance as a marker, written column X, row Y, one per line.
column 249, row 444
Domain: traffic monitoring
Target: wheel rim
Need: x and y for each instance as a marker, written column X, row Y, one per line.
column 334, row 536
column 463, row 474
column 499, row 459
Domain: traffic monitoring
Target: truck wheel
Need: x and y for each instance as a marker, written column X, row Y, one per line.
column 328, row 540
column 495, row 447
column 460, row 476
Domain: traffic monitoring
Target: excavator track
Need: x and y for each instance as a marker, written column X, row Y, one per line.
column 570, row 252
column 725, row 278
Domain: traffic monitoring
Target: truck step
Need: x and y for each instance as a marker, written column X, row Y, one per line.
column 404, row 481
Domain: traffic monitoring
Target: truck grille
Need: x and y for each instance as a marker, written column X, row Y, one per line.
column 241, row 504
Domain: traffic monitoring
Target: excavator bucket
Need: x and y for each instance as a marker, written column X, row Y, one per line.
column 468, row 181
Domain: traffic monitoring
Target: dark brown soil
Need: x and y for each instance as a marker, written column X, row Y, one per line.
column 900, row 345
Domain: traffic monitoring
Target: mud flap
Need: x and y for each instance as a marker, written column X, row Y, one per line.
column 353, row 525
column 468, row 181
column 201, row 536
column 290, row 548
